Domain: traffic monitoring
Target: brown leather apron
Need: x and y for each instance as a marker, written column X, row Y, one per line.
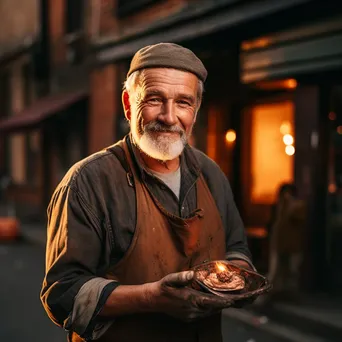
column 162, row 244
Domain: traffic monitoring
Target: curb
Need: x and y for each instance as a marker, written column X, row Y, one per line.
column 265, row 324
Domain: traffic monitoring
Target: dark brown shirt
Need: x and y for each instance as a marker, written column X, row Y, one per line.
column 92, row 219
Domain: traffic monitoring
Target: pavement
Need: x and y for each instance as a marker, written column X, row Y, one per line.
column 287, row 322
column 22, row 316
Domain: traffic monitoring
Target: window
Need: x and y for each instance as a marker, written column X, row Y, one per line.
column 125, row 8
column 272, row 149
column 74, row 31
column 17, row 141
column 74, row 16
column 5, row 111
column 17, row 144
column 27, row 84
column 5, row 94
column 32, row 149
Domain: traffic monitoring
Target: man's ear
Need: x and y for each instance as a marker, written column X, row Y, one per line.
column 126, row 105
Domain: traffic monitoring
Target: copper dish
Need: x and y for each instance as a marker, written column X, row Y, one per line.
column 226, row 279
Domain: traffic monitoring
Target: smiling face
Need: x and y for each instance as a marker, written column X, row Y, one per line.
column 162, row 110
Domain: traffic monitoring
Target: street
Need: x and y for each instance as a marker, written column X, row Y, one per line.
column 22, row 315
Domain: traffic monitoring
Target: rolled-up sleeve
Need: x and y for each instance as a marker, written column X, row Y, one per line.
column 72, row 289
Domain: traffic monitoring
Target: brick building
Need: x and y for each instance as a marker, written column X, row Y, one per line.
column 274, row 69
column 16, row 84
column 44, row 93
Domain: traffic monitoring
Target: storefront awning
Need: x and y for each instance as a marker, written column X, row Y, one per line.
column 40, row 111
column 308, row 49
column 188, row 25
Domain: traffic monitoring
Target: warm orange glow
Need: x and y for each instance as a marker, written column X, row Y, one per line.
column 230, row 136
column 332, row 188
column 211, row 137
column 285, row 128
column 270, row 166
column 254, row 44
column 213, row 123
column 339, row 129
column 221, row 267
column 286, row 84
column 288, row 139
column 256, row 232
column 290, row 150
column 291, row 83
column 332, row 116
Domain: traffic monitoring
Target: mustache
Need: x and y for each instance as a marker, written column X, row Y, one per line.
column 156, row 126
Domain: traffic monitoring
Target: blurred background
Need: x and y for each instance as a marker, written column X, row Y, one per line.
column 271, row 118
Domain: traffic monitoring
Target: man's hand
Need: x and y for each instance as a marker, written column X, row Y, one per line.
column 171, row 296
column 242, row 303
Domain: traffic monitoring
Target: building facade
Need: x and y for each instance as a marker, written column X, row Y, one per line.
column 18, row 152
column 44, row 99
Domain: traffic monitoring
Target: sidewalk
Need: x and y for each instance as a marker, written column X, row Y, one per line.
column 29, row 227
column 280, row 331
column 313, row 319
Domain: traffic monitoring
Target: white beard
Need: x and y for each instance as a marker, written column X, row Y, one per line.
column 161, row 148
column 156, row 146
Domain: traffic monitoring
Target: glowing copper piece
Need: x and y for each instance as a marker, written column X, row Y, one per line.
column 221, row 277
column 220, row 267
column 235, row 282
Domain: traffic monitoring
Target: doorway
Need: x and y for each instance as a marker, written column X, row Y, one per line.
column 267, row 162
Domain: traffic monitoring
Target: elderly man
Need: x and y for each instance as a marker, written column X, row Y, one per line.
column 126, row 225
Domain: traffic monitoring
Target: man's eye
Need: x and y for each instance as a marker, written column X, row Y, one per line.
column 154, row 100
column 184, row 103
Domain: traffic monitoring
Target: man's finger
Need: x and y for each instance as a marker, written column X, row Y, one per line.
column 178, row 279
column 206, row 302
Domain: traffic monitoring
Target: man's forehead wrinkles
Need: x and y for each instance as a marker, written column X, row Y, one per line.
column 154, row 91
column 167, row 93
column 163, row 80
column 168, row 83
column 165, row 87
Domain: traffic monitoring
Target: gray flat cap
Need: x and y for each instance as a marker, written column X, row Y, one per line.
column 168, row 55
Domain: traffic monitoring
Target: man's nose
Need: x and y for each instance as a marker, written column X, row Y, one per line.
column 168, row 116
